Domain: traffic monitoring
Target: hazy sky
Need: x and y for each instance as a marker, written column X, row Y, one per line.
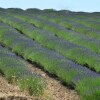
column 74, row 5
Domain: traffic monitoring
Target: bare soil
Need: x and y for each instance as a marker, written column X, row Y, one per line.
column 55, row 90
column 11, row 92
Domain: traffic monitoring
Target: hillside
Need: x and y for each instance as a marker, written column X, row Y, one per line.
column 49, row 54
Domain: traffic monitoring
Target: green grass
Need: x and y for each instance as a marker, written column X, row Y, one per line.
column 60, row 67
column 45, row 24
column 67, row 70
column 70, row 23
column 79, row 54
column 15, row 70
column 89, row 89
column 34, row 85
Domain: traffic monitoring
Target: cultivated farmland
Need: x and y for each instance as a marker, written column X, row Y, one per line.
column 43, row 50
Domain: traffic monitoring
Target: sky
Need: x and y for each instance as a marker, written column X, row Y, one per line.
column 73, row 5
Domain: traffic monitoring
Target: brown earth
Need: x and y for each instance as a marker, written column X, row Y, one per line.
column 55, row 90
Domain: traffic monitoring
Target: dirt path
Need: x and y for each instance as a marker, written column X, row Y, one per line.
column 55, row 90
column 11, row 92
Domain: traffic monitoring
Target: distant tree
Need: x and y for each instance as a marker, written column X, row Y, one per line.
column 49, row 10
column 33, row 10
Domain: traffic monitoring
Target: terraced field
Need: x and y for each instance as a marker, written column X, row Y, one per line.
column 64, row 45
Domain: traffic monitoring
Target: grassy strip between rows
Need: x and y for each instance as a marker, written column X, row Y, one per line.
column 92, row 24
column 71, row 24
column 94, row 18
column 71, row 36
column 79, row 54
column 89, row 28
column 88, row 18
column 69, row 72
column 16, row 71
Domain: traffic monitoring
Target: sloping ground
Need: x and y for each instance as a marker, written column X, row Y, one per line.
column 68, row 48
column 55, row 90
